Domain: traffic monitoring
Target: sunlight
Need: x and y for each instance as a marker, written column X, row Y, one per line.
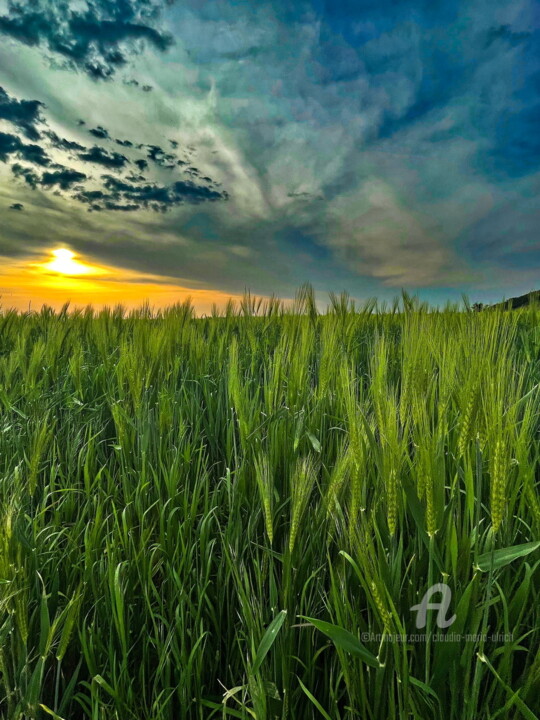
column 64, row 263
column 65, row 276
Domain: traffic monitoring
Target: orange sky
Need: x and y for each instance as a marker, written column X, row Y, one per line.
column 63, row 276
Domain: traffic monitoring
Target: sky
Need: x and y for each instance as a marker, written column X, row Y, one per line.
column 155, row 150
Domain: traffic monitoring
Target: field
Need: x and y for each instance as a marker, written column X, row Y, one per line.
column 234, row 516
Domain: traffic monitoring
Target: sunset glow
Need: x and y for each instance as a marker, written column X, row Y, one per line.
column 64, row 263
column 64, row 276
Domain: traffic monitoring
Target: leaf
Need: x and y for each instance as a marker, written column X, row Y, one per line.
column 514, row 697
column 315, row 701
column 36, row 681
column 45, row 624
column 268, row 640
column 344, row 640
column 298, row 431
column 504, row 556
column 222, row 708
column 50, row 712
column 424, row 687
column 314, row 442
column 99, row 680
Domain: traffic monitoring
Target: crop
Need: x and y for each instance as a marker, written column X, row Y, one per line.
column 232, row 516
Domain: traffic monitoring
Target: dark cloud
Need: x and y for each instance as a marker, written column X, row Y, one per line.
column 97, row 71
column 32, row 164
column 13, row 145
column 124, row 208
column 61, row 177
column 26, row 174
column 90, row 196
column 159, row 156
column 8, row 144
column 103, row 157
column 24, row 114
column 99, row 132
column 64, row 178
column 62, row 143
column 94, row 38
column 505, row 33
column 17, row 206
column 160, row 197
column 299, row 195
column 135, row 83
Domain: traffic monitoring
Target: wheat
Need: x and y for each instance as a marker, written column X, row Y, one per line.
column 170, row 485
column 498, row 468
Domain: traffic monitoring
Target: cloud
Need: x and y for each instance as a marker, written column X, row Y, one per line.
column 367, row 146
column 106, row 193
column 24, row 114
column 136, row 83
column 90, row 196
column 13, row 145
column 123, row 208
column 96, row 37
column 378, row 235
column 160, row 156
column 100, row 132
column 64, row 178
column 108, row 159
column 27, row 174
column 160, row 197
column 504, row 33
column 62, row 143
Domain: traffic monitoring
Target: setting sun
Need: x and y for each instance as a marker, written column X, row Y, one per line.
column 64, row 263
column 63, row 275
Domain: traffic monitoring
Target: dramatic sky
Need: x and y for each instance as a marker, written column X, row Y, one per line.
column 155, row 149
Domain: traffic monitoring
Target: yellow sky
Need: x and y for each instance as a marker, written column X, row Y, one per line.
column 62, row 276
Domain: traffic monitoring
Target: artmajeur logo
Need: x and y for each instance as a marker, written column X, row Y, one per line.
column 441, row 607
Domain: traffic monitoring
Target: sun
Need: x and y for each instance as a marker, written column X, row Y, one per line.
column 64, row 262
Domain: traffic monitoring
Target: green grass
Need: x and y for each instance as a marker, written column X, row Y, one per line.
column 230, row 516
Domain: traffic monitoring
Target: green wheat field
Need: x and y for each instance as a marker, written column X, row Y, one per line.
column 232, row 516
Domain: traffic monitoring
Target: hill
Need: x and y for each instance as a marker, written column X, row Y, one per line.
column 513, row 303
